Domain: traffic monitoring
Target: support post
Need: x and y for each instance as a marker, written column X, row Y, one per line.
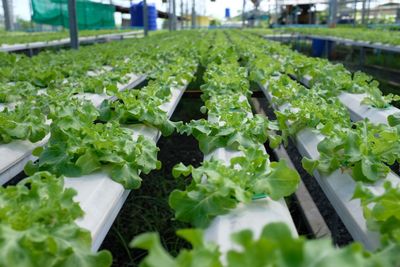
column 398, row 15
column 193, row 14
column 368, row 10
column 145, row 19
column 182, row 15
column 169, row 15
column 332, row 13
column 363, row 11
column 73, row 24
column 187, row 15
column 174, row 27
column 257, row 4
column 243, row 13
column 355, row 13
column 7, row 15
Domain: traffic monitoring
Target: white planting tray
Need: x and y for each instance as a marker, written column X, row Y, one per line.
column 99, row 196
column 97, row 99
column 360, row 111
column 65, row 41
column 350, row 42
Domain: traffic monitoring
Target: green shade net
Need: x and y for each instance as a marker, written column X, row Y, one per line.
column 90, row 15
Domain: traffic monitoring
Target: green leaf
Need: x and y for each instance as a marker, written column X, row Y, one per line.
column 394, row 119
column 309, row 165
column 158, row 256
column 282, row 181
column 198, row 208
column 30, row 168
column 52, row 155
column 37, row 151
column 181, row 170
column 373, row 170
column 88, row 163
column 193, row 236
column 126, row 176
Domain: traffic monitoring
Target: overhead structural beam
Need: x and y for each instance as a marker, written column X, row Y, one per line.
column 160, row 14
column 73, row 24
column 8, row 15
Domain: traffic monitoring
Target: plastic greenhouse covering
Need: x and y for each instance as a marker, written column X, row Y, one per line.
column 90, row 15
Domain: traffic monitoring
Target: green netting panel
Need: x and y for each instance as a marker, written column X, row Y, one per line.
column 90, row 15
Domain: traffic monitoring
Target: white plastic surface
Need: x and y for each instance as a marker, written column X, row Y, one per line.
column 96, row 99
column 100, row 197
column 14, row 156
column 360, row 111
column 252, row 216
column 65, row 41
column 387, row 47
column 2, row 106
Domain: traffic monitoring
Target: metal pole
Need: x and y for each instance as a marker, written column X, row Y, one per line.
column 256, row 15
column 145, row 19
column 398, row 15
column 368, row 10
column 364, row 2
column 276, row 11
column 182, row 15
column 7, row 16
column 30, row 13
column 355, row 13
column 73, row 24
column 332, row 13
column 174, row 15
column 169, row 16
column 187, row 14
column 243, row 13
column 193, row 14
